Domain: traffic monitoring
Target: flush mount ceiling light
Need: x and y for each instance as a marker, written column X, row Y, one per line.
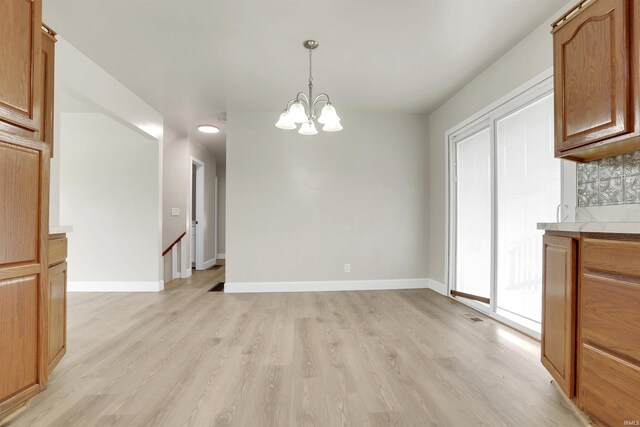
column 302, row 108
column 208, row 129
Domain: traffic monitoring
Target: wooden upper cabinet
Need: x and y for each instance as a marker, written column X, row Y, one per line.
column 19, row 59
column 596, row 80
column 559, row 310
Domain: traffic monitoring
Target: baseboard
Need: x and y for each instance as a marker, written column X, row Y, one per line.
column 208, row 264
column 325, row 286
column 115, row 286
column 222, row 256
column 439, row 287
column 186, row 274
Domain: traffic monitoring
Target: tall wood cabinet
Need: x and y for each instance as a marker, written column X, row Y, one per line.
column 24, row 207
column 597, row 79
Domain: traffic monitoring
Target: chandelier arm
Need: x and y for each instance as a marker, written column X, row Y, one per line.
column 320, row 98
column 301, row 96
column 291, row 101
column 317, row 99
column 302, row 99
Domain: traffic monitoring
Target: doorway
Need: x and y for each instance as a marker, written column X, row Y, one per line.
column 196, row 220
column 504, row 179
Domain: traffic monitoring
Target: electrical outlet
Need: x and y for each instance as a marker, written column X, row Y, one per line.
column 175, row 211
column 347, row 268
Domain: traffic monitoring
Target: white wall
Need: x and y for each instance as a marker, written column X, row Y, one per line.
column 300, row 207
column 109, row 192
column 80, row 79
column 523, row 62
column 175, row 185
column 222, row 206
column 82, row 87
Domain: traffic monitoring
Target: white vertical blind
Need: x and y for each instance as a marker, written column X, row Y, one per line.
column 473, row 236
column 505, row 180
column 528, row 183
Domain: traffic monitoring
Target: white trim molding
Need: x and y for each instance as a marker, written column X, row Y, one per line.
column 186, row 274
column 115, row 286
column 327, row 286
column 174, row 262
column 209, row 264
column 222, row 256
column 200, row 191
column 439, row 287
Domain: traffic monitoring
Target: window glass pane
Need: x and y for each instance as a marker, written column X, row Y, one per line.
column 473, row 233
column 528, row 192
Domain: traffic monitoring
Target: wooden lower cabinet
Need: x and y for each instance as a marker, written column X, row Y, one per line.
column 609, row 387
column 57, row 296
column 559, row 308
column 603, row 336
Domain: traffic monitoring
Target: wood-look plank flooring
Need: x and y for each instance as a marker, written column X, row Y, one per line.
column 190, row 357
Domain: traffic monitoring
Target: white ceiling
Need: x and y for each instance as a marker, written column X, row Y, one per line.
column 195, row 60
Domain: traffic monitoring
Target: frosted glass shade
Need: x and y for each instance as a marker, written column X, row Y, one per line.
column 285, row 122
column 308, row 128
column 297, row 113
column 332, row 127
column 328, row 116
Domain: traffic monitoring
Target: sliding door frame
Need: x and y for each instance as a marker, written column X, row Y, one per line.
column 527, row 94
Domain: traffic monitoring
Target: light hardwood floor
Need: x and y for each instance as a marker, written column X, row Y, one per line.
column 190, row 357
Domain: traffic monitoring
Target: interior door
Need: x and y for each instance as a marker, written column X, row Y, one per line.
column 194, row 224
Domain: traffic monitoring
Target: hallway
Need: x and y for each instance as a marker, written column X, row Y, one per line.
column 186, row 356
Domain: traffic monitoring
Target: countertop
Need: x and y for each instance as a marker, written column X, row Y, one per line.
column 60, row 229
column 592, row 227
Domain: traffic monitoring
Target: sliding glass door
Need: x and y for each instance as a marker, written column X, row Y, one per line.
column 505, row 180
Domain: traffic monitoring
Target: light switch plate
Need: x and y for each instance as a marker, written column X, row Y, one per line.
column 175, row 211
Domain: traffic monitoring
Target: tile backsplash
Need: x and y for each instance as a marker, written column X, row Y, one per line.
column 610, row 181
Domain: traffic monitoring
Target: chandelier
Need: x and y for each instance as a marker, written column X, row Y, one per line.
column 302, row 108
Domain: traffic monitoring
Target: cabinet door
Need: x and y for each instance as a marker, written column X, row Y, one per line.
column 24, row 190
column 559, row 310
column 20, row 22
column 57, row 313
column 592, row 75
